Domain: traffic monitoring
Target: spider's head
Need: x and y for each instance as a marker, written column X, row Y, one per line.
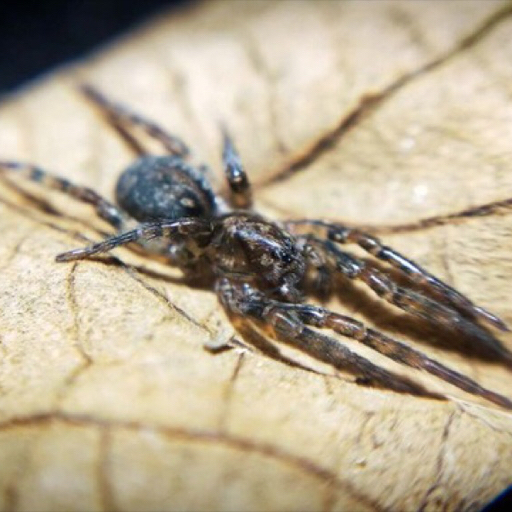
column 279, row 266
column 265, row 253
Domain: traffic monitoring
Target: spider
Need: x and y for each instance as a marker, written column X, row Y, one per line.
column 262, row 270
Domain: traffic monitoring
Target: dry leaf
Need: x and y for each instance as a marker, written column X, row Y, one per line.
column 370, row 112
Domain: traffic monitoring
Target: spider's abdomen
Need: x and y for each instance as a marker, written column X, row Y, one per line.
column 164, row 187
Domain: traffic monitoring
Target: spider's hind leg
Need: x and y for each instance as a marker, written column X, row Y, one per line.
column 104, row 209
column 124, row 119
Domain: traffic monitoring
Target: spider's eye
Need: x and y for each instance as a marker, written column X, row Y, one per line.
column 281, row 256
column 286, row 257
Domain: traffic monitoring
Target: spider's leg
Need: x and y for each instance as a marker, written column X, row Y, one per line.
column 198, row 230
column 239, row 185
column 284, row 324
column 343, row 234
column 123, row 118
column 391, row 348
column 104, row 209
column 409, row 300
column 130, row 140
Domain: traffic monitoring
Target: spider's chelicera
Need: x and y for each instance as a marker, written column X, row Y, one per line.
column 262, row 269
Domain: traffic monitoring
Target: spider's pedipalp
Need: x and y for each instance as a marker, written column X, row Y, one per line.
column 123, row 119
column 196, row 229
column 343, row 234
column 321, row 282
column 104, row 209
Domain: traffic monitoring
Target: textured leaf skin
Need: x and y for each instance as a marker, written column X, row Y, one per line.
column 369, row 112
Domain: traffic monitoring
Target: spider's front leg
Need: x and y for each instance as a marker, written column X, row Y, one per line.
column 391, row 348
column 196, row 231
column 289, row 322
column 408, row 300
column 344, row 234
column 282, row 321
column 104, row 209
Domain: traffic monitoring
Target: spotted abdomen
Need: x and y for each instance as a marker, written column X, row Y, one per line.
column 164, row 187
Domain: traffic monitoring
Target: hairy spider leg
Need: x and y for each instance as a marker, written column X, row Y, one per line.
column 239, row 185
column 123, row 119
column 258, row 341
column 411, row 301
column 195, row 228
column 343, row 234
column 391, row 348
column 281, row 322
column 104, row 209
column 133, row 143
column 289, row 320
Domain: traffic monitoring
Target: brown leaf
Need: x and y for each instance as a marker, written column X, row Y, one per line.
column 370, row 112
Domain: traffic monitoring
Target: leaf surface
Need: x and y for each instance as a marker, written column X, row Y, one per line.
column 367, row 112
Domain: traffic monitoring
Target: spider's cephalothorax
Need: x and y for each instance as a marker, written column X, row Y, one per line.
column 245, row 247
column 262, row 269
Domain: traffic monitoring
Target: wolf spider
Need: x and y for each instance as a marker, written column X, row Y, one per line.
column 262, row 269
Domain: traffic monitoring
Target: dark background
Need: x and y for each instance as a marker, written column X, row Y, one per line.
column 40, row 34
column 36, row 35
